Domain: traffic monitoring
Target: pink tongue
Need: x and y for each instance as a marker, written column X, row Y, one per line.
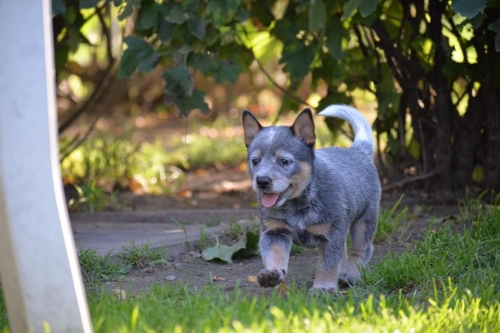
column 269, row 199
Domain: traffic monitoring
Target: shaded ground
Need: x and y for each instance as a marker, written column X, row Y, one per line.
column 211, row 188
column 230, row 188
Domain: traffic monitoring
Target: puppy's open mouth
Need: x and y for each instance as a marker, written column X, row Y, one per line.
column 270, row 199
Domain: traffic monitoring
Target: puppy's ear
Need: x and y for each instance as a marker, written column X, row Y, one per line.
column 303, row 128
column 251, row 126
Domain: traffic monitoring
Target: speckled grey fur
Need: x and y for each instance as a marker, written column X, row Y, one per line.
column 342, row 191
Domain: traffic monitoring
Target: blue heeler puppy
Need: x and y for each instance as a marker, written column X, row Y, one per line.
column 313, row 197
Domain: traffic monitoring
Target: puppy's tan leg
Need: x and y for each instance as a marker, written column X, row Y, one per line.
column 329, row 262
column 362, row 233
column 275, row 243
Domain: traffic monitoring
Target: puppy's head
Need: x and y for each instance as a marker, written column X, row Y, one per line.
column 279, row 157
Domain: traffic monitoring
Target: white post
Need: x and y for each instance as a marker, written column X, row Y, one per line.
column 39, row 269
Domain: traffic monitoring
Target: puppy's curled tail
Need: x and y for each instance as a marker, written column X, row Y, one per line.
column 363, row 140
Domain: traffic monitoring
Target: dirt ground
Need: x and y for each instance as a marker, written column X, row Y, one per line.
column 230, row 188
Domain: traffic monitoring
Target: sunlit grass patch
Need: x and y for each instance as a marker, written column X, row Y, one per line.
column 175, row 308
column 389, row 221
column 110, row 163
column 445, row 283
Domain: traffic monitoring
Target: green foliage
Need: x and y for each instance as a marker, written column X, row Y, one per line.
column 245, row 247
column 468, row 8
column 204, row 150
column 469, row 260
column 139, row 55
column 389, row 221
column 99, row 269
column 143, row 255
column 200, row 34
column 3, row 313
column 424, row 64
column 108, row 163
column 91, row 198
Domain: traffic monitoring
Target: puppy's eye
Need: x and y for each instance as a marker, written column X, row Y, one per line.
column 255, row 161
column 285, row 161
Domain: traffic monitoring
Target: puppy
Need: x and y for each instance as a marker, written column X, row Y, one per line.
column 313, row 198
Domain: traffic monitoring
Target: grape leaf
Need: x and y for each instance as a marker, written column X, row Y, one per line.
column 495, row 26
column 334, row 34
column 468, row 8
column 297, row 59
column 88, row 3
column 139, row 55
column 317, row 15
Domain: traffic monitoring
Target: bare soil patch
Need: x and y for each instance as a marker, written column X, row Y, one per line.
column 229, row 188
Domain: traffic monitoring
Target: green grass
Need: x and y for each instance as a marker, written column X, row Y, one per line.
column 447, row 282
column 143, row 255
column 389, row 221
column 111, row 162
column 202, row 151
column 99, row 269
column 91, row 198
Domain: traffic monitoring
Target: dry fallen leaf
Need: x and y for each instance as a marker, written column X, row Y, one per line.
column 242, row 166
column 149, row 269
column 201, row 173
column 282, row 289
column 219, row 278
column 121, row 294
column 185, row 194
column 194, row 254
column 252, row 278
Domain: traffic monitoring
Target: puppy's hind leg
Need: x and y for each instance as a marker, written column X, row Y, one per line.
column 328, row 264
column 362, row 233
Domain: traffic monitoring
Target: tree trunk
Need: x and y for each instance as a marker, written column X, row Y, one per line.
column 491, row 143
column 467, row 133
column 442, row 102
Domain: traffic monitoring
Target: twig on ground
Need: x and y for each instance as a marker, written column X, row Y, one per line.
column 409, row 180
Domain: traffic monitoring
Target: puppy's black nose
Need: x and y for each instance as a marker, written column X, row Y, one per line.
column 263, row 182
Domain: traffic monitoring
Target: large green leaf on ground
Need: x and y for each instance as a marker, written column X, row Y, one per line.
column 245, row 247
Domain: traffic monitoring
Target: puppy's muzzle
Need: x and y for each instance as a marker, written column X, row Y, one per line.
column 263, row 182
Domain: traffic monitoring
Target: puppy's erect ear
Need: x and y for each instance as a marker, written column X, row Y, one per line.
column 303, row 128
column 251, row 126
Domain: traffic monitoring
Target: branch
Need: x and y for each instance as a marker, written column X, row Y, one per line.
column 99, row 88
column 74, row 143
column 409, row 180
column 280, row 88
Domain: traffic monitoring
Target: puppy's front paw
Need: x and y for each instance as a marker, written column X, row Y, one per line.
column 268, row 278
